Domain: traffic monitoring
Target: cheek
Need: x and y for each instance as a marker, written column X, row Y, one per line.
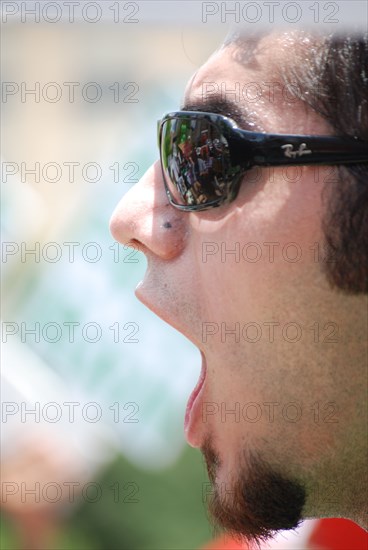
column 260, row 251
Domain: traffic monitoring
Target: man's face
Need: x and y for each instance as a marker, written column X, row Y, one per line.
column 244, row 282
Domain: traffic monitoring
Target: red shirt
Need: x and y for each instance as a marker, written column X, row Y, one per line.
column 325, row 534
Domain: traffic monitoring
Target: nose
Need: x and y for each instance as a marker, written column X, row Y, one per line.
column 145, row 219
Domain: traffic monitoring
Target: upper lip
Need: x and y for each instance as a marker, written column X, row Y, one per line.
column 165, row 316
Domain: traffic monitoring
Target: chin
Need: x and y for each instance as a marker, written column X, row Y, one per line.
column 255, row 501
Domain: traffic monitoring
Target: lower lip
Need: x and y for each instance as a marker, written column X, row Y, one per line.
column 192, row 413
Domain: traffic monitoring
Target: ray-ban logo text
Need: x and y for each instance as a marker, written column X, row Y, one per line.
column 290, row 153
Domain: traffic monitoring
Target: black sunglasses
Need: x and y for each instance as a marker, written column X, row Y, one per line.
column 204, row 156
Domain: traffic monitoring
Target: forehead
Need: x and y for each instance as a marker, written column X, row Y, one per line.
column 250, row 73
column 256, row 55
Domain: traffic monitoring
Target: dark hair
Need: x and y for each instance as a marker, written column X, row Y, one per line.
column 334, row 82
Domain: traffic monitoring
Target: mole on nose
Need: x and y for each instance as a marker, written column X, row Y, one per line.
column 167, row 225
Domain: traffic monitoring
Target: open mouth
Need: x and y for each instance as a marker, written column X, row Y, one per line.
column 194, row 408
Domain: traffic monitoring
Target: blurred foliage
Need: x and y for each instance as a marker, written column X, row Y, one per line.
column 169, row 514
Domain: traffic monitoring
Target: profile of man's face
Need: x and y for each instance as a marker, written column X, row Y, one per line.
column 279, row 410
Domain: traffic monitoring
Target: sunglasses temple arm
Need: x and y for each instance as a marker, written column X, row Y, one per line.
column 278, row 150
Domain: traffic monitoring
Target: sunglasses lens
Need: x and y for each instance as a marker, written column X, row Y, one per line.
column 195, row 160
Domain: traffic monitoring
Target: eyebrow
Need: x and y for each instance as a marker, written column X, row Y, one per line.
column 244, row 118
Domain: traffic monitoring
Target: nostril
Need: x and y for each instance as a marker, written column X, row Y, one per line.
column 144, row 219
column 137, row 245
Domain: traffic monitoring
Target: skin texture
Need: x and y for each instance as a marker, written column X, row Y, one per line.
column 308, row 392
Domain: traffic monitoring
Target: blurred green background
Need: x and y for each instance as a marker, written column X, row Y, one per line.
column 150, row 375
column 169, row 513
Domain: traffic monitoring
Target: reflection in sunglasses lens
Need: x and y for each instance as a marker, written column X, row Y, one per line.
column 195, row 160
